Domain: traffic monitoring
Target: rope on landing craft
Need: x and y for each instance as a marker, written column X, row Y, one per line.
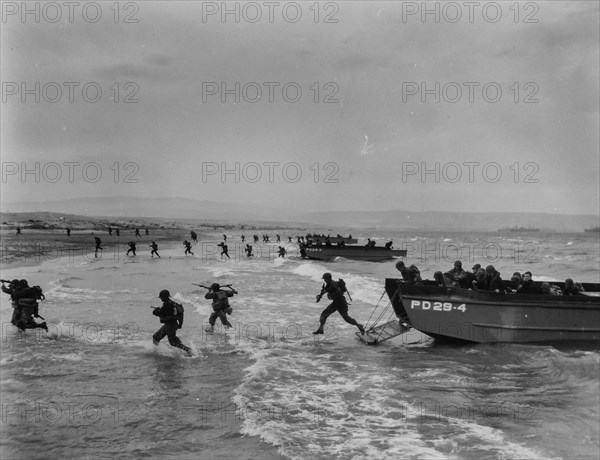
column 383, row 312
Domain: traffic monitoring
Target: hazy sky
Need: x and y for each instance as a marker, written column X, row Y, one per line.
column 359, row 135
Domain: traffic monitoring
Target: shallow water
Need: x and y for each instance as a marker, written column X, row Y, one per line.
column 96, row 387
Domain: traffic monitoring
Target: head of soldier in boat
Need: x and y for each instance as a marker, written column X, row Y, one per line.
column 476, row 267
column 23, row 283
column 569, row 283
column 527, row 276
column 326, row 276
column 515, row 281
column 164, row 294
column 545, row 288
column 490, row 269
column 458, row 264
column 400, row 265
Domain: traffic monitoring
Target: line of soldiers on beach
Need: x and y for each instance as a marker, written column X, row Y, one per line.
column 281, row 251
column 488, row 279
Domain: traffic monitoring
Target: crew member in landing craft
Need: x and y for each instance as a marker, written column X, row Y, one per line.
column 410, row 275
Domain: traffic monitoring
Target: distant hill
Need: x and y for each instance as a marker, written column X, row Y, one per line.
column 173, row 208
column 195, row 210
column 435, row 220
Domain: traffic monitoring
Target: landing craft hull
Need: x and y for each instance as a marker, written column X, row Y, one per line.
column 353, row 252
column 487, row 317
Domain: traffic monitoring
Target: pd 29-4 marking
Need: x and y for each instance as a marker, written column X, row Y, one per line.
column 437, row 306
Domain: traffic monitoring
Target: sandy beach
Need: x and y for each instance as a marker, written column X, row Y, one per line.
column 44, row 236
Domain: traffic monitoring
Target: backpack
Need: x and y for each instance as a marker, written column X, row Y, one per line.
column 221, row 302
column 342, row 285
column 414, row 268
column 178, row 311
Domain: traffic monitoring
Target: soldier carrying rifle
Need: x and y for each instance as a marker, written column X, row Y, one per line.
column 220, row 304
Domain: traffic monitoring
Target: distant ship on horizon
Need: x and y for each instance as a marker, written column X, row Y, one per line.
column 519, row 229
column 592, row 230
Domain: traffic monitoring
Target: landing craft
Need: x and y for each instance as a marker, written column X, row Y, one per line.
column 454, row 313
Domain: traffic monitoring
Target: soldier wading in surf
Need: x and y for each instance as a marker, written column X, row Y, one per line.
column 220, row 305
column 171, row 317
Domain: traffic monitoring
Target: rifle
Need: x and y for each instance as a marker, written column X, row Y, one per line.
column 202, row 286
column 349, row 296
column 208, row 287
column 6, row 281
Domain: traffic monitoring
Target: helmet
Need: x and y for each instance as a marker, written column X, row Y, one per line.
column 24, row 283
column 215, row 286
column 326, row 276
column 164, row 294
column 14, row 282
column 458, row 263
column 400, row 265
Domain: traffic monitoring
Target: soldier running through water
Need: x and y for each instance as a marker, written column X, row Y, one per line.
column 194, row 236
column 154, row 247
column 171, row 317
column 98, row 246
column 220, row 305
column 248, row 250
column 28, row 301
column 224, row 250
column 188, row 248
column 339, row 304
column 24, row 300
column 132, row 248
column 13, row 288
